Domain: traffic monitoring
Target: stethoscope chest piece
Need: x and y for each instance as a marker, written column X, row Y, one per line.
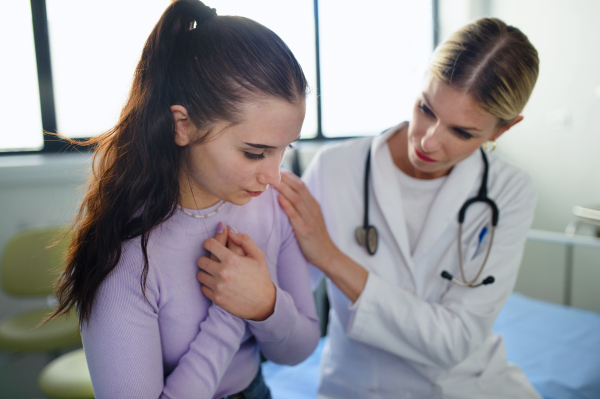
column 367, row 237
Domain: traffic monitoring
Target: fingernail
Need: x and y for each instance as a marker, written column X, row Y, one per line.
column 220, row 227
column 233, row 229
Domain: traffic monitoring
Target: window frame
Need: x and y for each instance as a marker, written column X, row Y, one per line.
column 54, row 144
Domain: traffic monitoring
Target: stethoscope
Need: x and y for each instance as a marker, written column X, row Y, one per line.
column 367, row 234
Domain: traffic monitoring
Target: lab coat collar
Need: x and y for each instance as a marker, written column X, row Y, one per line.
column 387, row 191
column 454, row 192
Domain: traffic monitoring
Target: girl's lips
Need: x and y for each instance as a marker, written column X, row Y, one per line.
column 254, row 193
column 423, row 157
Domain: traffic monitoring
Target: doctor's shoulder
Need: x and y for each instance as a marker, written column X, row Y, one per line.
column 509, row 184
column 340, row 158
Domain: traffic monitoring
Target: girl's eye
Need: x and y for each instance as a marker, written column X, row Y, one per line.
column 425, row 109
column 253, row 156
column 291, row 146
column 462, row 134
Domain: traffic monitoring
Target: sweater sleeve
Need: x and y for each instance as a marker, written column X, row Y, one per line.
column 309, row 177
column 444, row 333
column 291, row 333
column 123, row 347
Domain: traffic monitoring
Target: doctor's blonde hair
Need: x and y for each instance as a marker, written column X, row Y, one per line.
column 493, row 62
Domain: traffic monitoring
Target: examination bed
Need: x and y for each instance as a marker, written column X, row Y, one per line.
column 557, row 346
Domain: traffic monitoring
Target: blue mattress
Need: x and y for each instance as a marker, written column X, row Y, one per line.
column 558, row 347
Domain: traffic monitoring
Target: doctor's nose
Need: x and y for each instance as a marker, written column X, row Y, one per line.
column 430, row 142
column 269, row 174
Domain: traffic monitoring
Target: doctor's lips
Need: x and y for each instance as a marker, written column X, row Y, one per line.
column 423, row 157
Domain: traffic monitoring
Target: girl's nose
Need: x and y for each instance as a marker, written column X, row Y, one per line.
column 270, row 174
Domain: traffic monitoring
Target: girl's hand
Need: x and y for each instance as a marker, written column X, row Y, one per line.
column 305, row 215
column 237, row 278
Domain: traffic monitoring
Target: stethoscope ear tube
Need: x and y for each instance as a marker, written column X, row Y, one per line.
column 481, row 197
column 366, row 234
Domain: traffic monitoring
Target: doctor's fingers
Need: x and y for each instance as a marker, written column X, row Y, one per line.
column 302, row 228
column 301, row 199
column 289, row 194
column 296, row 184
column 311, row 234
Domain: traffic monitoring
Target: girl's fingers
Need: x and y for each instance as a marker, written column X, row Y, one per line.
column 218, row 250
column 246, row 243
column 220, row 236
column 209, row 293
column 206, row 279
column 209, row 265
column 221, row 233
column 235, row 248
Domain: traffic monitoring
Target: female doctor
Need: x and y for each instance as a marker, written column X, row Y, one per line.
column 398, row 329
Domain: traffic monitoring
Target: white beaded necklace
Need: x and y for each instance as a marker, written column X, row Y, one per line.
column 202, row 216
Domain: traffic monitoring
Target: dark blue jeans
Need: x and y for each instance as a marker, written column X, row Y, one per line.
column 257, row 389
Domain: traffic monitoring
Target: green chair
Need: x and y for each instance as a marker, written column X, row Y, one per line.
column 67, row 377
column 28, row 268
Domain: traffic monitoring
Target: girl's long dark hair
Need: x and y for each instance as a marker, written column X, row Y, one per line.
column 209, row 64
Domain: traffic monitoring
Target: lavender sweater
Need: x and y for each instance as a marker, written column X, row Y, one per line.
column 177, row 344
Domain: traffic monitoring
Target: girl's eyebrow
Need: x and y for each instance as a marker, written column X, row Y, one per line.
column 264, row 146
column 259, row 145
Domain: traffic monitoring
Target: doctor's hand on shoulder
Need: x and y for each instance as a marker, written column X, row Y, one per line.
column 307, row 220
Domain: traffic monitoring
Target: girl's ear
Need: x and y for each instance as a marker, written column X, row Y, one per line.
column 184, row 128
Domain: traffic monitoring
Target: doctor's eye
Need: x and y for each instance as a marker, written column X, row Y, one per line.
column 253, row 156
column 462, row 134
column 425, row 109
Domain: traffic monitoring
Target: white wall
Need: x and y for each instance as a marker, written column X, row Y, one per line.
column 558, row 142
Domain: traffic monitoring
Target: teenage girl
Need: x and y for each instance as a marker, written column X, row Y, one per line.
column 172, row 301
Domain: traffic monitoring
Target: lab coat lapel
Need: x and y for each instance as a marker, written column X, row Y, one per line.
column 387, row 192
column 457, row 188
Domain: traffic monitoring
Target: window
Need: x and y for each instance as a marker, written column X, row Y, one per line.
column 367, row 63
column 19, row 90
column 373, row 59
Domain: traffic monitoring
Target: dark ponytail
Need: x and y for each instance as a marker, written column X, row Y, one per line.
column 209, row 64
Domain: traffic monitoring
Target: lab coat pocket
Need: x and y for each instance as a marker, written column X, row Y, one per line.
column 480, row 243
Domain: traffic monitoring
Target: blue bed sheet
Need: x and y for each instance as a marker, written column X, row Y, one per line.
column 558, row 347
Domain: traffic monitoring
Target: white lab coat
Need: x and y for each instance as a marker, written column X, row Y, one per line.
column 411, row 333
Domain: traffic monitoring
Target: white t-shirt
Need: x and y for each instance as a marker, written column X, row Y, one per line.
column 417, row 197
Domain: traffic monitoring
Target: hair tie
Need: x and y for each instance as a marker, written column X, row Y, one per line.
column 202, row 12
